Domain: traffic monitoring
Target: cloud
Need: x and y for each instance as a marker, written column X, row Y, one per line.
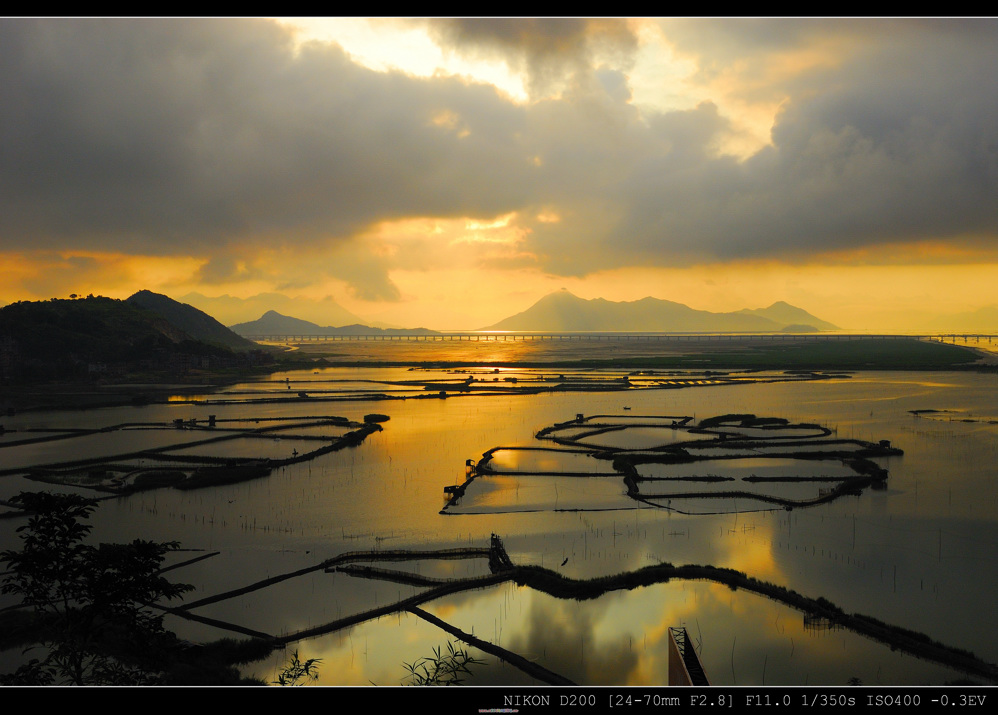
column 893, row 144
column 223, row 139
column 367, row 277
column 223, row 268
column 230, row 310
column 353, row 263
column 47, row 274
column 547, row 50
column 182, row 134
column 568, row 636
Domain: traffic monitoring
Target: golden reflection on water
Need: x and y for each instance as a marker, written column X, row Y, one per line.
column 753, row 552
column 910, row 555
column 620, row 638
column 498, row 349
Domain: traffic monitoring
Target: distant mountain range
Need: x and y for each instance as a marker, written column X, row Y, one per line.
column 982, row 320
column 273, row 323
column 565, row 312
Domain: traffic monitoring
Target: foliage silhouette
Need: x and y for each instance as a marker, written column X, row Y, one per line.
column 441, row 668
column 90, row 603
column 298, row 673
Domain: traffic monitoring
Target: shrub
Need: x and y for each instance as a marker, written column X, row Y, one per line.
column 441, row 668
column 90, row 603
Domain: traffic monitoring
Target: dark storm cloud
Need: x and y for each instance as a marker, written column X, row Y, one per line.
column 163, row 135
column 898, row 141
column 547, row 49
column 211, row 137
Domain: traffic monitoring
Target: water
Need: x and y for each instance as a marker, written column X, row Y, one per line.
column 920, row 554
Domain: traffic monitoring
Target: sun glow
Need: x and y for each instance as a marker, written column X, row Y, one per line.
column 47, row 274
column 386, row 45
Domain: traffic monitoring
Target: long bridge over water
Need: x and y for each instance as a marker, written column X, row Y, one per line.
column 480, row 336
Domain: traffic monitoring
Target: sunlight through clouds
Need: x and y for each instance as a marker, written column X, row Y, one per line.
column 313, row 156
column 384, row 44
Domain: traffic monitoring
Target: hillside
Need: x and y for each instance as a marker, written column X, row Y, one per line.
column 563, row 311
column 197, row 324
column 96, row 337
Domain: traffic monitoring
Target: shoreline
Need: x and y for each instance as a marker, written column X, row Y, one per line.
column 747, row 355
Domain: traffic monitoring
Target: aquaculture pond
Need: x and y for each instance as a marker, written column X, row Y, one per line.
column 875, row 492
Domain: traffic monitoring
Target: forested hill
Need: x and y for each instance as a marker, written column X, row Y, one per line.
column 196, row 323
column 95, row 337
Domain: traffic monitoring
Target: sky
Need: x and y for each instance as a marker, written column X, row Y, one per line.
column 448, row 173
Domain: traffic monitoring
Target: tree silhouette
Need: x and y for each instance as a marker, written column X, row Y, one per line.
column 90, row 603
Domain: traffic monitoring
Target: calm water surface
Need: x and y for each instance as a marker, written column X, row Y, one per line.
column 920, row 554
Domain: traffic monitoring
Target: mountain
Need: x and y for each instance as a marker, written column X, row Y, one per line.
column 93, row 337
column 192, row 321
column 789, row 315
column 273, row 323
column 230, row 310
column 982, row 320
column 562, row 311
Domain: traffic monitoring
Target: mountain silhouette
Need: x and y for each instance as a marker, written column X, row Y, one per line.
column 273, row 323
column 94, row 338
column 789, row 315
column 562, row 311
column 197, row 324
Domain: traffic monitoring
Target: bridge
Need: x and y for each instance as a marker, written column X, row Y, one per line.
column 479, row 336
